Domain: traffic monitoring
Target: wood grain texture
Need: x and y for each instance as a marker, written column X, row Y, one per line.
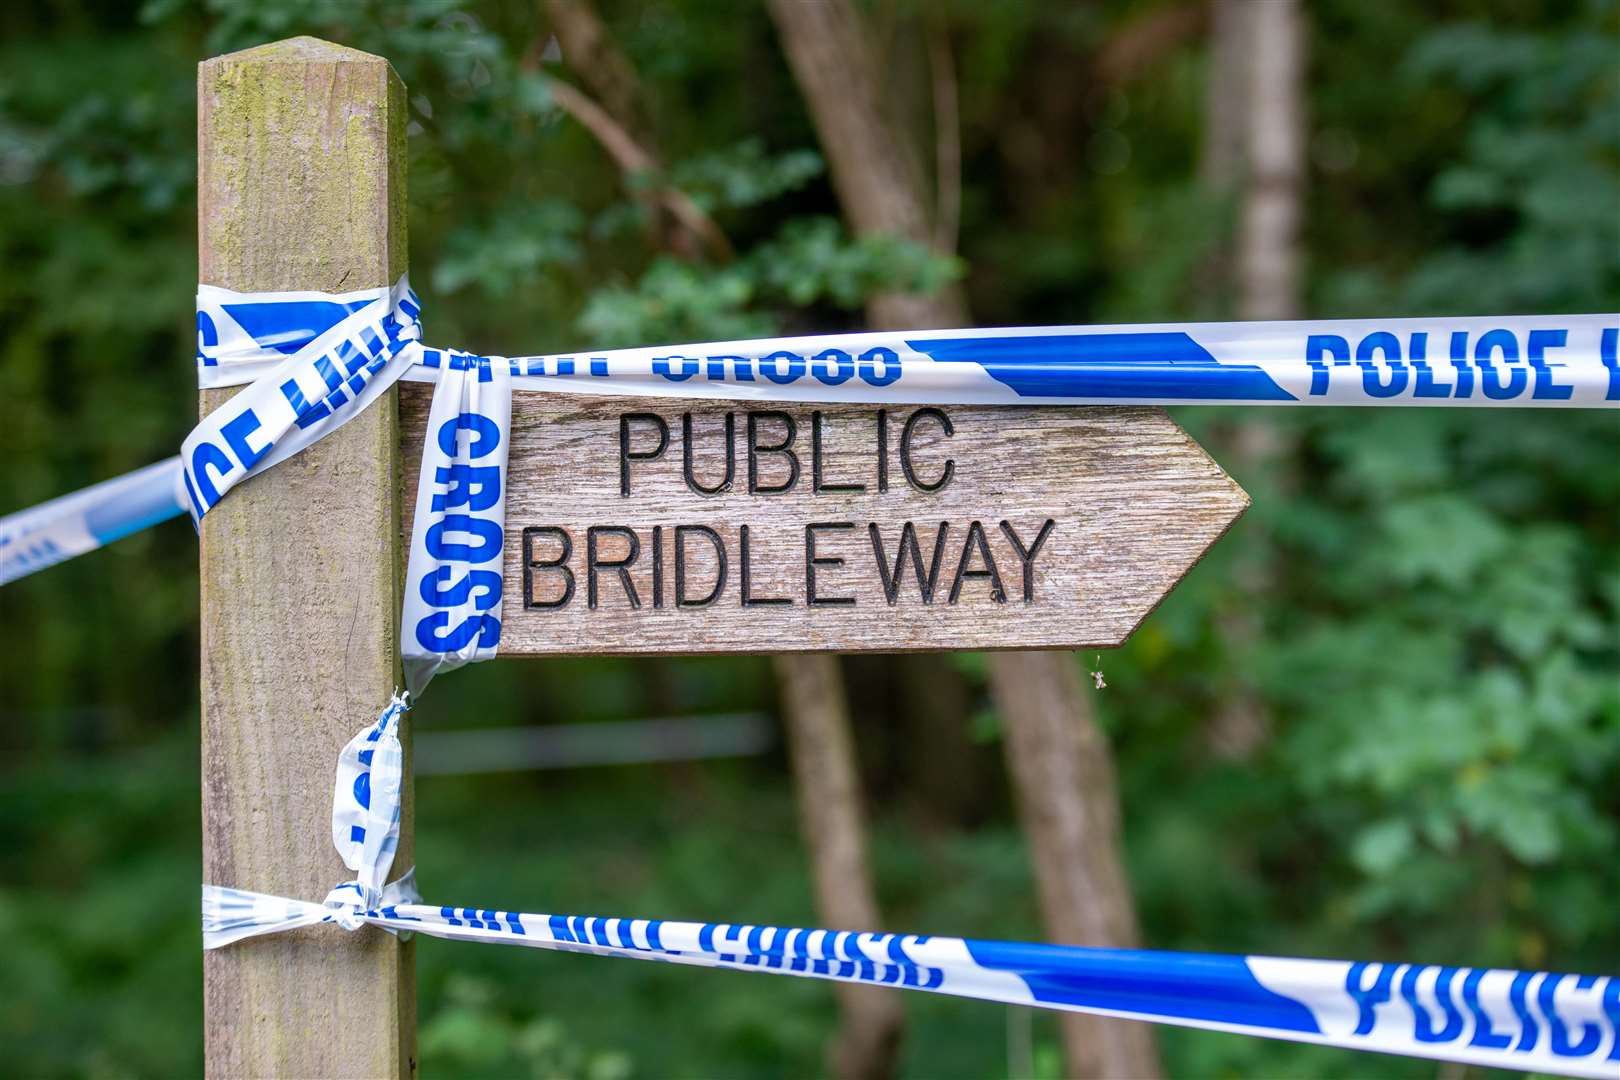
column 301, row 165
column 1134, row 500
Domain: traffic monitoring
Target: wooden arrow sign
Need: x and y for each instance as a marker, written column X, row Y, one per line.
column 661, row 525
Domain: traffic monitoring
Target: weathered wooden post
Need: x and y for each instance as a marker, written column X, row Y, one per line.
column 301, row 185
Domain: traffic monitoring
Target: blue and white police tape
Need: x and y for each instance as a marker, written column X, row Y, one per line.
column 316, row 361
column 1567, row 361
column 1534, row 360
column 366, row 800
column 1507, row 1019
column 452, row 609
column 1534, row 1021
column 54, row 531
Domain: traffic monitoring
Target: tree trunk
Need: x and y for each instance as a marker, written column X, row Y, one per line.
column 1269, row 41
column 831, row 815
column 1226, row 96
column 1268, row 256
column 1063, row 772
column 813, row 705
column 1039, row 694
column 875, row 175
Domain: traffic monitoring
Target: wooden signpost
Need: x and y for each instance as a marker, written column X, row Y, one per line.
column 656, row 525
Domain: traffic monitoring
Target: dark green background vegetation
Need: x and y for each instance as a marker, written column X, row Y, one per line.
column 1439, row 635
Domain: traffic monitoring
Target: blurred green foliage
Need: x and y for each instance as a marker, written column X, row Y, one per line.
column 1438, row 645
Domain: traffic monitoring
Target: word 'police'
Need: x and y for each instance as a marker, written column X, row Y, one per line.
column 1571, row 1025
column 1498, row 365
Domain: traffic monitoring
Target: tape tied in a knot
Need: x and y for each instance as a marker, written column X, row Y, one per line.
column 350, row 903
column 366, row 804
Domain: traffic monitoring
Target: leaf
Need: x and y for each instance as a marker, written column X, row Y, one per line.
column 1380, row 848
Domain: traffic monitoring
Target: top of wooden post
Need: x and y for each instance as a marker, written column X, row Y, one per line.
column 311, row 120
column 296, row 50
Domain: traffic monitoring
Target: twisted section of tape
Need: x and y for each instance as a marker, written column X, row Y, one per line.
column 453, row 581
column 367, row 797
column 313, row 362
